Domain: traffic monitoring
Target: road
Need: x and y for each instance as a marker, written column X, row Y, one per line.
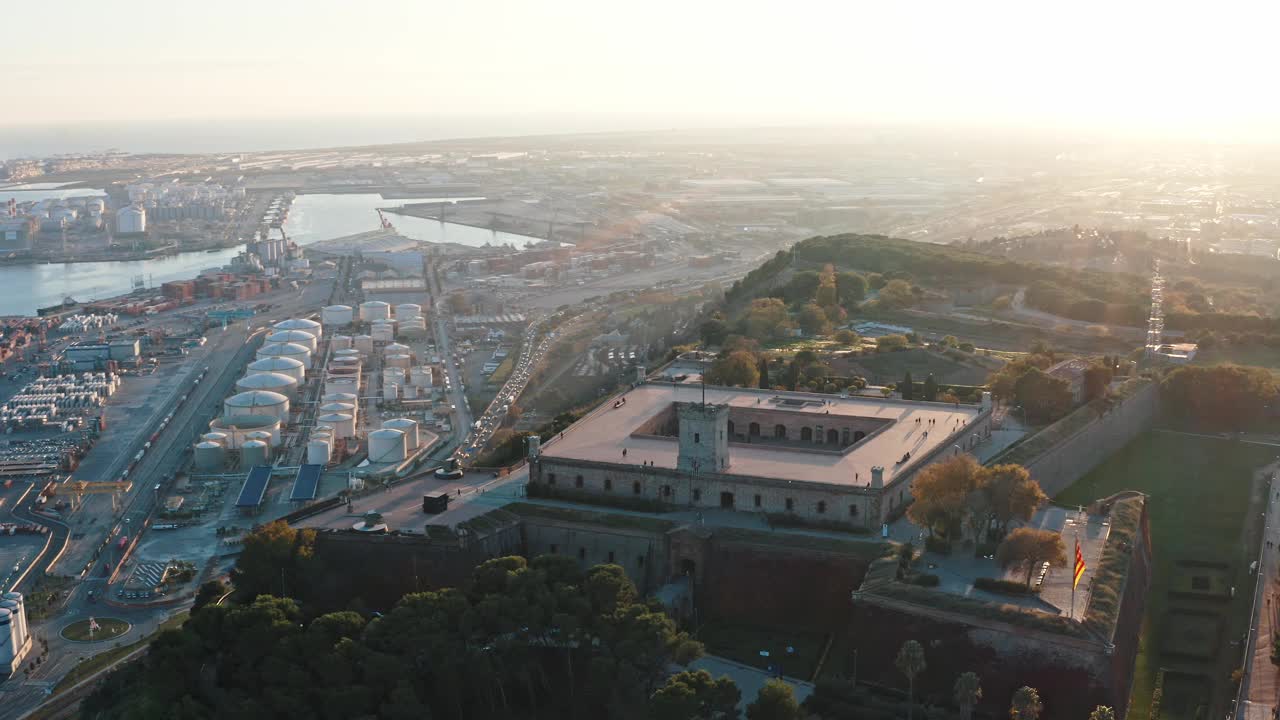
column 530, row 355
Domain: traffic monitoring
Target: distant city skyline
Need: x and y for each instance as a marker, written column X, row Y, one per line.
column 1137, row 67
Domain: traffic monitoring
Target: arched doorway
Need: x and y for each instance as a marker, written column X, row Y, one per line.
column 833, row 436
column 780, row 432
column 730, row 428
column 753, row 429
column 806, row 434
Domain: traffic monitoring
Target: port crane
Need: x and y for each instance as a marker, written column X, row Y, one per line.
column 79, row 488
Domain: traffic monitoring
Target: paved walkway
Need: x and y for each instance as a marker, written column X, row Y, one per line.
column 748, row 679
column 1261, row 686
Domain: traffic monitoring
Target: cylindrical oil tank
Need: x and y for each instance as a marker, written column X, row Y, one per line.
column 383, row 332
column 386, row 446
column 318, row 452
column 390, row 391
column 350, row 352
column 409, row 392
column 399, row 361
column 262, row 435
column 420, row 376
column 209, row 456
column 393, row 374
column 397, row 349
column 343, row 424
column 289, row 350
column 303, row 324
column 23, row 622
column 363, row 344
column 257, row 402
column 374, row 310
column 412, row 329
column 344, row 362
column 337, row 407
column 405, row 311
column 337, row 315
column 275, row 382
column 215, row 437
column 340, row 384
column 283, row 365
column 301, row 337
column 254, row 452
column 406, row 426
column 341, row 342
column 339, row 397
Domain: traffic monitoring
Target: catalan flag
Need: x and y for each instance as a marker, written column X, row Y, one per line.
column 1079, row 570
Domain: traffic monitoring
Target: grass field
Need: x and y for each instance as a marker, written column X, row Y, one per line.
column 891, row 366
column 1200, row 490
column 108, row 629
column 744, row 643
column 1259, row 355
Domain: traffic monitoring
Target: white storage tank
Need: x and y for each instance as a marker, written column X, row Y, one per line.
column 406, row 311
column 337, row 407
column 374, row 310
column 131, row 220
column 363, row 344
column 406, row 426
column 387, row 446
column 340, row 384
column 409, row 392
column 275, row 382
column 383, row 332
column 282, row 365
column 342, row 424
column 341, row 342
column 310, row 327
column 289, row 350
column 209, row 456
column 215, row 437
column 397, row 349
column 393, row 374
column 318, row 452
column 339, row 397
column 413, row 329
column 254, row 452
column 390, row 392
column 283, row 337
column 262, row 435
column 257, row 403
column 337, row 315
column 399, row 361
column 420, row 376
column 344, row 362
column 237, row 428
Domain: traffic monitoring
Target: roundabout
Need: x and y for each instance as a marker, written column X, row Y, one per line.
column 103, row 629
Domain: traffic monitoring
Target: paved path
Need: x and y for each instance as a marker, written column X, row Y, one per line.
column 1260, row 688
column 748, row 679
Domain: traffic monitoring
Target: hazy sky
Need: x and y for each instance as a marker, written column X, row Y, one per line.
column 1124, row 64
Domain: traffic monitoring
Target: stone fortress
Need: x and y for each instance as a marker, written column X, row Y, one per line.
column 819, row 458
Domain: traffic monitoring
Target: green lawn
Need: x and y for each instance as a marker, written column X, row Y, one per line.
column 889, row 367
column 107, row 629
column 743, row 644
column 1199, row 492
column 1258, row 355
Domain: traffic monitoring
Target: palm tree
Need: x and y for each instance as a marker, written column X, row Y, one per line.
column 1026, row 704
column 1102, row 712
column 968, row 692
column 910, row 662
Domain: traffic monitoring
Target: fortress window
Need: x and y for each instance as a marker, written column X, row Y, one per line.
column 610, row 556
column 822, row 507
column 758, row 501
column 697, row 438
column 582, row 553
column 555, row 548
column 853, row 510
column 666, row 491
column 635, row 488
column 577, row 481
column 608, row 483
column 697, row 495
column 791, row 504
column 639, row 561
column 551, row 478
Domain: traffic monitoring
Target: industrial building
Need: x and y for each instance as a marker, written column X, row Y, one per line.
column 15, row 635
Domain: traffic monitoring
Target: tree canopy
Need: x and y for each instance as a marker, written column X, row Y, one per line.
column 1028, row 548
column 1223, row 396
column 538, row 638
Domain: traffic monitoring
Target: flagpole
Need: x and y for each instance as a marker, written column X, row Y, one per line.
column 1073, row 578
